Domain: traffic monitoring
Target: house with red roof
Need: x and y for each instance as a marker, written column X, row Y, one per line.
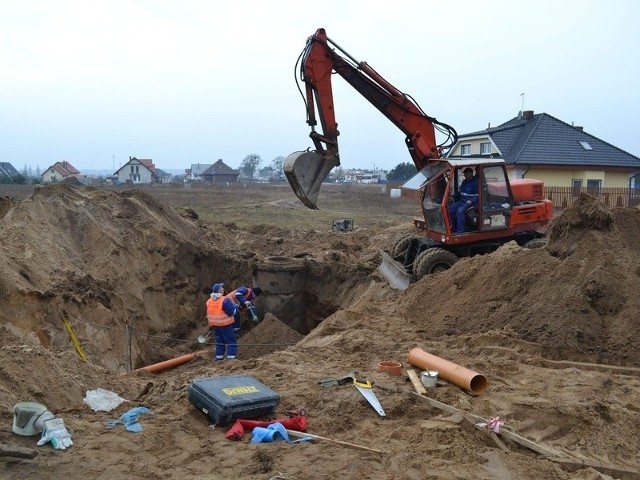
column 137, row 171
column 61, row 171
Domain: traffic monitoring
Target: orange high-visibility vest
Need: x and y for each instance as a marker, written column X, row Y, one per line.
column 232, row 296
column 215, row 315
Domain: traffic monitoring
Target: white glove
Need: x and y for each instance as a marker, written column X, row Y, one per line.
column 247, row 304
column 255, row 318
column 56, row 432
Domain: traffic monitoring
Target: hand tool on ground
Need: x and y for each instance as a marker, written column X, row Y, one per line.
column 297, row 412
column 205, row 336
column 363, row 386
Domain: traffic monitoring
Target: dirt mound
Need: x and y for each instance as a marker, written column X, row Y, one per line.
column 131, row 276
column 269, row 336
column 587, row 213
column 110, row 262
column 577, row 298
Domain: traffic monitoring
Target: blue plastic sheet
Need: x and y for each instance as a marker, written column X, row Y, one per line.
column 130, row 419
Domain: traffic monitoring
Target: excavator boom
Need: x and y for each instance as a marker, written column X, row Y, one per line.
column 306, row 170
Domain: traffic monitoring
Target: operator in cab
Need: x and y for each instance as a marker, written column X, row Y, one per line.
column 468, row 196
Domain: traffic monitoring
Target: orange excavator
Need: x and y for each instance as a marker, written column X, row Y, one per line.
column 501, row 209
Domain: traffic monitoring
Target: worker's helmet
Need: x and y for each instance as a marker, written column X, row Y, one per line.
column 25, row 415
column 217, row 287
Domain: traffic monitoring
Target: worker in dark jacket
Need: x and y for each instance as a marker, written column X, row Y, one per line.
column 468, row 197
column 244, row 297
column 220, row 316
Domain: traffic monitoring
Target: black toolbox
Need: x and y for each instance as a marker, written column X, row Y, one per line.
column 226, row 398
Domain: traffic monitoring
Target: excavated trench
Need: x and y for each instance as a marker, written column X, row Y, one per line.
column 124, row 279
column 283, row 281
column 299, row 292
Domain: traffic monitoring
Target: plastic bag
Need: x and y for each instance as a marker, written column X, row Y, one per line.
column 103, row 400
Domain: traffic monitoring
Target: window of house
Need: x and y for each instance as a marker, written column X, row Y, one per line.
column 576, row 185
column 593, row 187
column 132, row 169
column 465, row 149
column 485, row 148
column 586, row 145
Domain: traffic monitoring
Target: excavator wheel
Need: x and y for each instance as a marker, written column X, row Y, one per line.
column 536, row 243
column 433, row 260
column 401, row 244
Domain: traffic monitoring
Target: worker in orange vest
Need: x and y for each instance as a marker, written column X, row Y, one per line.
column 220, row 316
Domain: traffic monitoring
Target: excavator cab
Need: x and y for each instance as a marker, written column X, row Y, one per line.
column 490, row 204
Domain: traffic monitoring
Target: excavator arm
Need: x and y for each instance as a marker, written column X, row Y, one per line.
column 306, row 170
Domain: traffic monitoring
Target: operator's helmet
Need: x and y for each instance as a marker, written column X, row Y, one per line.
column 25, row 415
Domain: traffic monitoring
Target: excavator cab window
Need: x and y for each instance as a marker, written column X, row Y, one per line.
column 495, row 198
column 434, row 195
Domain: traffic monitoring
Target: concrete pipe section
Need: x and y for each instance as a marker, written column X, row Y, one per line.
column 282, row 280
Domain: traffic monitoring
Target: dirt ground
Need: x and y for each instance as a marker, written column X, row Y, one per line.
column 554, row 330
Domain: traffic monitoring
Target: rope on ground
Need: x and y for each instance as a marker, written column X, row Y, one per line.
column 74, row 339
column 165, row 338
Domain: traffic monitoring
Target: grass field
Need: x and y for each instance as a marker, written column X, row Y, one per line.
column 275, row 204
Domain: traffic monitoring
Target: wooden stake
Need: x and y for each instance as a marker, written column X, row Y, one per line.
column 504, row 432
column 18, row 452
column 415, row 381
column 295, row 433
column 613, row 470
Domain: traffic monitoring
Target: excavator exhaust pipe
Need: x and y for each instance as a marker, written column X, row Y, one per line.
column 305, row 172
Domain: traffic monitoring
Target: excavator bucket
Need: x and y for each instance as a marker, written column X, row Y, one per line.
column 394, row 272
column 305, row 172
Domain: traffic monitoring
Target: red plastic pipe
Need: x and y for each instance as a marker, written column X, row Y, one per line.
column 449, row 371
column 173, row 362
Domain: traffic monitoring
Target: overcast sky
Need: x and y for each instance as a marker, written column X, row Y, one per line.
column 188, row 81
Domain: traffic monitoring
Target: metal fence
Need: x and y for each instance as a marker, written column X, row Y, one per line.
column 563, row 197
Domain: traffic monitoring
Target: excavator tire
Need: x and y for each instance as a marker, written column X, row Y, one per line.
column 535, row 243
column 433, row 260
column 401, row 244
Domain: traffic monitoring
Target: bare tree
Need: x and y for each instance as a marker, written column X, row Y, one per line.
column 276, row 164
column 250, row 164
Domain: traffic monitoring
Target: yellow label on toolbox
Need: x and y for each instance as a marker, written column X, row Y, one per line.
column 240, row 390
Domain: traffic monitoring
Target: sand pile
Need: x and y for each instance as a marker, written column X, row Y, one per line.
column 523, row 318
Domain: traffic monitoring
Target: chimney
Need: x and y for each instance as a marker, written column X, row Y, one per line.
column 527, row 114
column 579, row 128
column 488, row 125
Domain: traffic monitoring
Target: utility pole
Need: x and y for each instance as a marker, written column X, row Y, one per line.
column 113, row 163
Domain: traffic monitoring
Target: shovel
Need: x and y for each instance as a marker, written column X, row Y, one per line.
column 203, row 338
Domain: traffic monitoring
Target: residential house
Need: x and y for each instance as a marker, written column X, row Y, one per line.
column 220, row 172
column 163, row 177
column 364, row 176
column 138, row 171
column 7, row 170
column 61, row 171
column 194, row 174
column 542, row 147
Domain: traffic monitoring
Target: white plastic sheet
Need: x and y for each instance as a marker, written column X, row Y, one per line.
column 103, row 400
